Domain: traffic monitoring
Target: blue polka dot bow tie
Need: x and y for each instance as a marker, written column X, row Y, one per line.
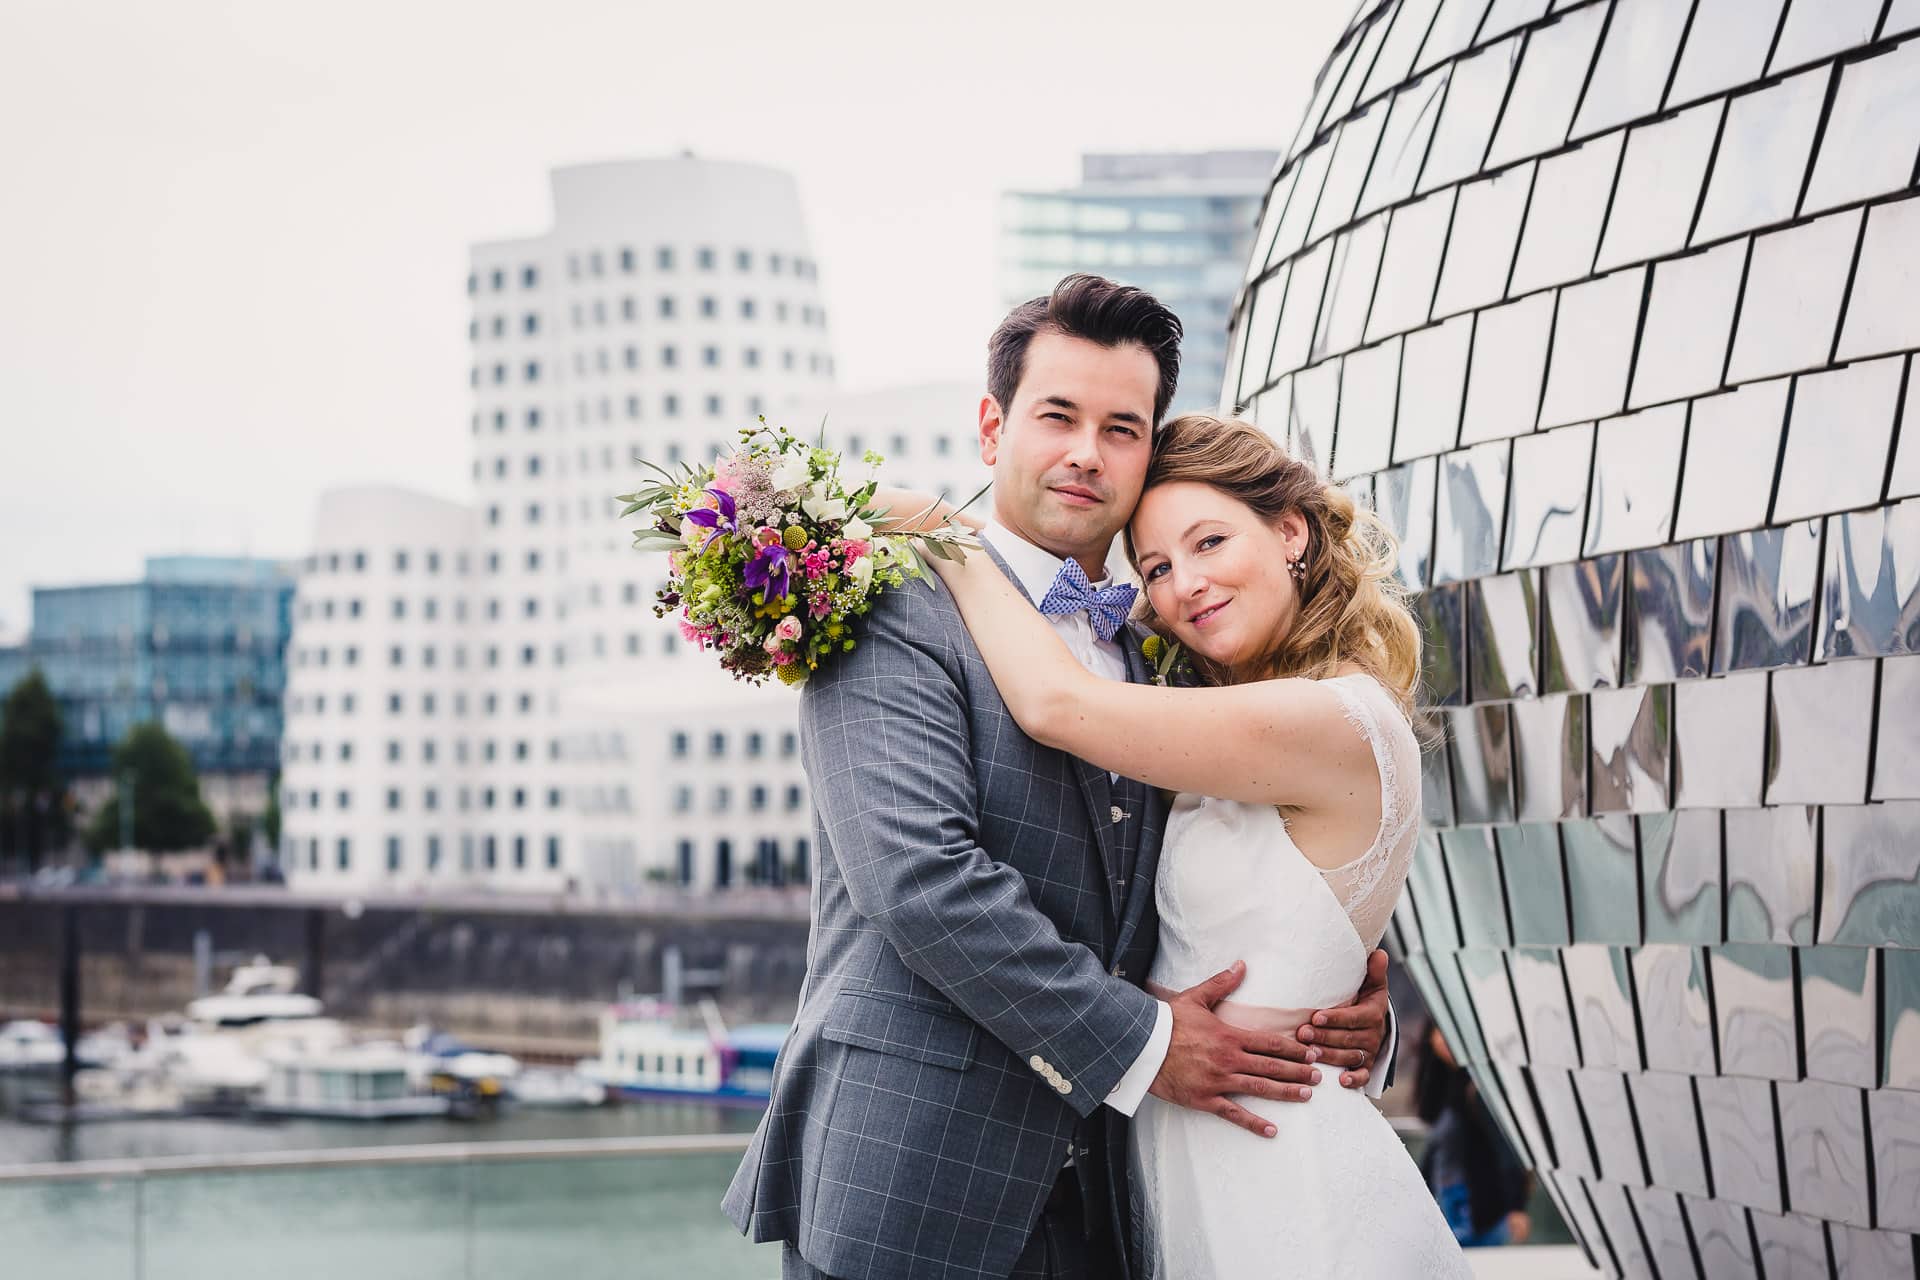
column 1106, row 607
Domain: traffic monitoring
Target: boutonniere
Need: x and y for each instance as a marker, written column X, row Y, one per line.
column 1167, row 658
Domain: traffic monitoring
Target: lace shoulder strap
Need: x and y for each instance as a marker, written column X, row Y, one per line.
column 1369, row 885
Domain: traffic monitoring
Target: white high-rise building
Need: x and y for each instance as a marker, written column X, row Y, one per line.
column 482, row 696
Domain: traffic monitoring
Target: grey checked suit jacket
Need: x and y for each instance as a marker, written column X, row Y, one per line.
column 962, row 1017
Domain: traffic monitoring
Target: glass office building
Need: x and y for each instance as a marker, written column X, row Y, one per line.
column 1178, row 226
column 1608, row 308
column 198, row 644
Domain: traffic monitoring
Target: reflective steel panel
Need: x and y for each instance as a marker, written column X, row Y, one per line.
column 1502, row 623
column 1733, row 448
column 1770, row 873
column 1672, row 627
column 1871, row 896
column 1629, row 733
column 1549, row 507
column 1411, row 268
column 1896, row 764
column 1547, row 84
column 1880, row 314
column 1791, row 307
column 1872, row 131
column 1565, row 214
column 1754, row 1011
column 1550, row 757
column 1636, row 470
column 1630, row 77
column 1837, row 438
column 1670, row 1121
column 1583, row 624
column 1823, row 1131
column 1837, row 995
column 1509, row 360
column 1473, row 500
column 1689, row 321
column 1819, row 746
column 1486, row 233
column 1763, row 156
column 1661, row 176
column 1765, row 613
column 1603, row 878
column 1593, row 340
column 1872, row 599
column 1680, row 872
column 1719, row 741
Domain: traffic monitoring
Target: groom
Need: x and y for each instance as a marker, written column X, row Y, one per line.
column 971, row 1038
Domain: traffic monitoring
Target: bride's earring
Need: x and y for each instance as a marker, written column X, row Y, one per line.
column 1296, row 565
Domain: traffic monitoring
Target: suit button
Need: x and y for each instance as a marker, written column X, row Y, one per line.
column 1064, row 1086
column 1117, row 814
column 1038, row 1063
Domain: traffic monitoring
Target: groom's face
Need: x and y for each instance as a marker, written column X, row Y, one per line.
column 1069, row 454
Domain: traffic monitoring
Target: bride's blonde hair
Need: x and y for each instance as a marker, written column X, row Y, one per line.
column 1353, row 608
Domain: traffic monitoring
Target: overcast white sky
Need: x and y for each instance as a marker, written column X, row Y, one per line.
column 233, row 236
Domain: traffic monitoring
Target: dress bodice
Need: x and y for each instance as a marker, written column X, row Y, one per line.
column 1232, row 884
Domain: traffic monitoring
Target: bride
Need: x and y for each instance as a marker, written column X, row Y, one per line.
column 1298, row 780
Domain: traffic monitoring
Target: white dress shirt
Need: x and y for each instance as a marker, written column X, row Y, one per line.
column 1036, row 569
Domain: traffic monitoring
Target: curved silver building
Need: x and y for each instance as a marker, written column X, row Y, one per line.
column 1609, row 308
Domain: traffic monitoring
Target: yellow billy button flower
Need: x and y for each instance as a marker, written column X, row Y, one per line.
column 795, row 538
column 792, row 673
column 1152, row 647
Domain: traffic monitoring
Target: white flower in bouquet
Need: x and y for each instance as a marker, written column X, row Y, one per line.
column 856, row 530
column 790, row 472
column 822, row 507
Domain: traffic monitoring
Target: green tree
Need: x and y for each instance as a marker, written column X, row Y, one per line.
column 33, row 812
column 168, row 812
column 270, row 820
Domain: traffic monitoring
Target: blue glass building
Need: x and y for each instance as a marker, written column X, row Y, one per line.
column 198, row 644
column 1178, row 225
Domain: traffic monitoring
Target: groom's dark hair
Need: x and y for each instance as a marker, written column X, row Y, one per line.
column 1097, row 310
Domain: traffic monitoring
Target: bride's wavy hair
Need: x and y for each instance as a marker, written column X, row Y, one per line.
column 1352, row 606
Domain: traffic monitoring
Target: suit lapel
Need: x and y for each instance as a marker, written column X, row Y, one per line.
column 1092, row 779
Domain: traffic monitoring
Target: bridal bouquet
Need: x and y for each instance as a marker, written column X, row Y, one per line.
column 772, row 552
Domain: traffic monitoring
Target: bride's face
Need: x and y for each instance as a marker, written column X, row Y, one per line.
column 1215, row 571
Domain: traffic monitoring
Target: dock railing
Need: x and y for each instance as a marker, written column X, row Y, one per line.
column 617, row 1207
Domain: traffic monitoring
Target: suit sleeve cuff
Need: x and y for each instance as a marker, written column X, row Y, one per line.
column 1389, row 1050
column 1133, row 1086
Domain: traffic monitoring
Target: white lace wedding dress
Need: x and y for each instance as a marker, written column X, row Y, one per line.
column 1335, row 1193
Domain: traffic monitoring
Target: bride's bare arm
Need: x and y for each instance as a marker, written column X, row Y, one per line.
column 1283, row 742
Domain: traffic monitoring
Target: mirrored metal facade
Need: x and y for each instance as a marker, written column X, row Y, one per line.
column 1610, row 309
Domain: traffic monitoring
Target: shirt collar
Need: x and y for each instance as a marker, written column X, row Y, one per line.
column 1034, row 567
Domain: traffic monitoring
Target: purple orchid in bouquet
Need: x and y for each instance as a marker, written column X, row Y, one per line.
column 719, row 519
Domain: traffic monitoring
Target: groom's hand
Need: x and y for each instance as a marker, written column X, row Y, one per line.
column 1208, row 1059
column 1351, row 1034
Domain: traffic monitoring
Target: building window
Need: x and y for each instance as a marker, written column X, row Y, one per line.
column 346, row 751
column 393, row 751
column 343, row 853
column 668, row 357
column 789, row 743
column 716, row 744
column 393, row 853
column 793, row 799
column 710, row 356
column 722, row 798
column 433, row 853
column 393, row 798
column 757, row 798
column 663, row 258
column 553, row 853
column 488, row 855
column 626, row 261
column 519, row 852
column 680, row 745
column 533, row 371
column 706, row 259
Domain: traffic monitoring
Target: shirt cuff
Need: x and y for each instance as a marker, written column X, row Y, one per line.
column 1133, row 1086
column 1383, row 1065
